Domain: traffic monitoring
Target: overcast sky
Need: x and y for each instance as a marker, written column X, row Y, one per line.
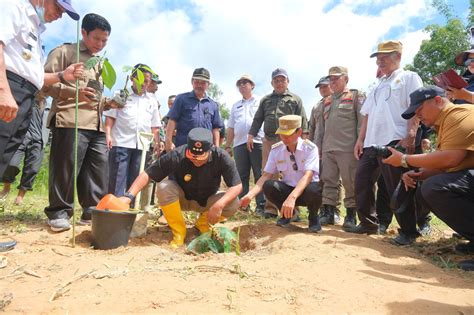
column 230, row 38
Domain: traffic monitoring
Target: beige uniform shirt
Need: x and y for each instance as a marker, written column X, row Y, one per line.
column 339, row 127
column 64, row 93
column 316, row 114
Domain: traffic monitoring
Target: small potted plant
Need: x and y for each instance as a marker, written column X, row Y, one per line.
column 105, row 70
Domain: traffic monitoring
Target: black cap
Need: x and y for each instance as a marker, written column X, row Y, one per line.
column 156, row 78
column 202, row 74
column 322, row 81
column 420, row 95
column 199, row 142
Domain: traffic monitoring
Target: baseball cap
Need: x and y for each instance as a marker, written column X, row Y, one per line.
column 199, row 143
column 388, row 47
column 461, row 57
column 420, row 95
column 201, row 74
column 288, row 124
column 67, row 6
column 279, row 72
column 322, row 81
column 336, row 70
column 245, row 77
column 156, row 78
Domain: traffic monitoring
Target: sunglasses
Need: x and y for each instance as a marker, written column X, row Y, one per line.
column 293, row 160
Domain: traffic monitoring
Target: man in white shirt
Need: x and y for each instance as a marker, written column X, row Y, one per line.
column 21, row 66
column 122, row 128
column 246, row 156
column 383, row 125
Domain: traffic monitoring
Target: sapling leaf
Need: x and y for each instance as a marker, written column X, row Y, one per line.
column 127, row 68
column 108, row 74
column 91, row 62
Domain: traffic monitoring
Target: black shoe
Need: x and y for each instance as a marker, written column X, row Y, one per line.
column 285, row 222
column 350, row 220
column 314, row 226
column 466, row 265
column 269, row 215
column 361, row 229
column 382, row 230
column 465, row 248
column 403, row 239
column 425, row 229
column 259, row 211
column 329, row 215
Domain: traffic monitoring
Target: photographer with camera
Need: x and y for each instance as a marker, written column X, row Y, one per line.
column 383, row 125
column 447, row 174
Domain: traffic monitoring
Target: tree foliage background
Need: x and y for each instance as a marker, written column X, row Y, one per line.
column 437, row 54
column 216, row 93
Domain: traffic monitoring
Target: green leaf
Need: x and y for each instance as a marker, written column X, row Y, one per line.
column 127, row 68
column 108, row 74
column 91, row 62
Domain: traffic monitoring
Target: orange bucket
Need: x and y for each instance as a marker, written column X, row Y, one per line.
column 112, row 203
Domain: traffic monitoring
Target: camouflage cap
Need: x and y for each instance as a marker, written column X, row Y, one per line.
column 288, row 124
column 201, row 74
column 337, row 70
column 388, row 47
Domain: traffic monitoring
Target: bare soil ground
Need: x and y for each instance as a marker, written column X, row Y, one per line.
column 279, row 271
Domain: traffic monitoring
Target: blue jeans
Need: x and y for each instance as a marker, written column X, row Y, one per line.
column 124, row 166
column 245, row 161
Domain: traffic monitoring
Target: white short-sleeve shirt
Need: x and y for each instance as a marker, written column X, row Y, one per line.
column 306, row 159
column 241, row 118
column 20, row 30
column 139, row 114
column 385, row 104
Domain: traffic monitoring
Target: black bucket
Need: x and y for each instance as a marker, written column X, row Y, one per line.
column 111, row 229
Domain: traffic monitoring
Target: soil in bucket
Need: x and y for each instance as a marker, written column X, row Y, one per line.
column 111, row 229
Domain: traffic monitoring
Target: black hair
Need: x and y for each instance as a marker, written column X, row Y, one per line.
column 92, row 21
column 171, row 96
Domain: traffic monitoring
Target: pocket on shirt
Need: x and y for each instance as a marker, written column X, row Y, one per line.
column 282, row 167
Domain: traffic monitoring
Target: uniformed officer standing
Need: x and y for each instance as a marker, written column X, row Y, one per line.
column 197, row 168
column 21, row 66
column 92, row 148
column 317, row 111
column 279, row 103
column 298, row 164
column 337, row 134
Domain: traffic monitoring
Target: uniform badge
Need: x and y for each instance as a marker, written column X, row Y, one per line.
column 280, row 176
column 187, row 177
column 26, row 54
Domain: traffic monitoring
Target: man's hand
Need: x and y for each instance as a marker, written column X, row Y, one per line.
column 229, row 150
column 169, row 145
column 73, row 72
column 108, row 140
column 87, row 95
column 408, row 143
column 411, row 177
column 460, row 94
column 245, row 201
column 288, row 207
column 250, row 143
column 395, row 159
column 358, row 149
column 215, row 212
column 8, row 106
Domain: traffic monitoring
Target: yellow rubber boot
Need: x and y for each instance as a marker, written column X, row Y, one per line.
column 176, row 223
column 202, row 224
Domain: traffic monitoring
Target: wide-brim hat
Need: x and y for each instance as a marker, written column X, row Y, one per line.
column 245, row 77
column 461, row 57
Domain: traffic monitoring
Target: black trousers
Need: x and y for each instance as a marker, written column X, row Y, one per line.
column 13, row 133
column 366, row 176
column 277, row 192
column 451, row 197
column 31, row 150
column 92, row 168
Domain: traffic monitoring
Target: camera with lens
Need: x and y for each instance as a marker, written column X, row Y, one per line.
column 383, row 151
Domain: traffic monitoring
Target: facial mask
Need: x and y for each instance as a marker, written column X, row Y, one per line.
column 40, row 12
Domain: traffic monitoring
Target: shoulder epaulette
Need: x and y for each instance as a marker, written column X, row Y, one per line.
column 276, row 145
column 309, row 143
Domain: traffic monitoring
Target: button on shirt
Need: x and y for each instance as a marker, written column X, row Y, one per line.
column 139, row 114
column 20, row 30
column 189, row 112
column 306, row 158
column 198, row 183
column 385, row 105
column 241, row 118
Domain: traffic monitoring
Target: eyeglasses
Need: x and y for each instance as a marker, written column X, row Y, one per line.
column 243, row 82
column 293, row 160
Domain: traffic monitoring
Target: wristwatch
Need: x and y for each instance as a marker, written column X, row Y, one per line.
column 130, row 196
column 403, row 161
column 61, row 76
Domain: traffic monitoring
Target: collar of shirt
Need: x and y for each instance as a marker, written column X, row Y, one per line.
column 299, row 145
column 338, row 95
column 286, row 93
column 30, row 10
column 193, row 95
column 392, row 75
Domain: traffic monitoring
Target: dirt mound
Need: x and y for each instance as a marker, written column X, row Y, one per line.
column 279, row 271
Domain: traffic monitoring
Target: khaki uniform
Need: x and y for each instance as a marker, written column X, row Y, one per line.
column 64, row 93
column 92, row 156
column 271, row 108
column 336, row 136
column 316, row 114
